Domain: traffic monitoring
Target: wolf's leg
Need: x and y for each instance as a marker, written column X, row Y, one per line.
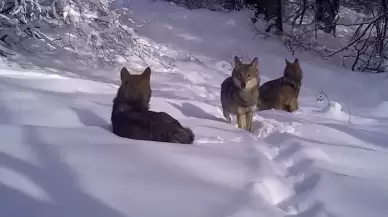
column 292, row 106
column 242, row 121
column 227, row 116
column 249, row 119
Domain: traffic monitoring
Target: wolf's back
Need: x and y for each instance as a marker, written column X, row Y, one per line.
column 152, row 126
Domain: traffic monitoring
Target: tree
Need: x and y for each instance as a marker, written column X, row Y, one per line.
column 325, row 14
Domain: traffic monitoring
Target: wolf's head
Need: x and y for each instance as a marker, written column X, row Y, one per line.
column 135, row 90
column 293, row 71
column 245, row 75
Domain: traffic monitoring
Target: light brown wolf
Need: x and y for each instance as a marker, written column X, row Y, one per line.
column 239, row 93
column 282, row 93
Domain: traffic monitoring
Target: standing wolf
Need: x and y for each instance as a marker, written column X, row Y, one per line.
column 239, row 93
column 132, row 119
column 282, row 93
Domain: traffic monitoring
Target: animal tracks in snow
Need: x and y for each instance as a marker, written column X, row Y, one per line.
column 280, row 172
column 292, row 178
column 266, row 126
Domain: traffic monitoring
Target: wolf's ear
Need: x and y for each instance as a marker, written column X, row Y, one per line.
column 124, row 74
column 287, row 62
column 296, row 62
column 147, row 73
column 255, row 62
column 237, row 61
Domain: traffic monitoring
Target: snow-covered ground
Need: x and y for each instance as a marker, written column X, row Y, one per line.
column 59, row 158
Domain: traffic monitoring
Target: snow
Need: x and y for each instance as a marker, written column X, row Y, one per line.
column 58, row 156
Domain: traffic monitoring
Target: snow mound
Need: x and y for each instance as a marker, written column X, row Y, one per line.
column 335, row 110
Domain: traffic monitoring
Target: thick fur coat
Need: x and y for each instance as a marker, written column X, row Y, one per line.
column 239, row 93
column 131, row 117
column 282, row 93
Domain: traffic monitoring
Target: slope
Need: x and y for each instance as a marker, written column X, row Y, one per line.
column 59, row 158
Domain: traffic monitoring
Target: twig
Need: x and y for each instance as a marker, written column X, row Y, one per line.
column 322, row 93
column 350, row 120
column 359, row 37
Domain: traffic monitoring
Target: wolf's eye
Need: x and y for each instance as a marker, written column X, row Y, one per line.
column 239, row 75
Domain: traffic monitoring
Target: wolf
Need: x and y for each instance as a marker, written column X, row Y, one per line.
column 282, row 93
column 239, row 93
column 131, row 117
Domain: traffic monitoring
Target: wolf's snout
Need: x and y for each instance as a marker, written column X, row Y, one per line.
column 243, row 85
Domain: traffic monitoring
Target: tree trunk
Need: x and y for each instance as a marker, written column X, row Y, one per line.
column 325, row 14
column 279, row 15
column 384, row 28
column 303, row 12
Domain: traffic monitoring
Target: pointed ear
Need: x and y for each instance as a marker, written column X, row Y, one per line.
column 255, row 62
column 147, row 73
column 237, row 61
column 296, row 62
column 124, row 74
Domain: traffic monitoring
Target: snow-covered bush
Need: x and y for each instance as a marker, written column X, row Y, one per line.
column 92, row 27
column 216, row 5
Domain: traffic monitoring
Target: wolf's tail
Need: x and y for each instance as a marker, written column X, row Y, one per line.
column 184, row 136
